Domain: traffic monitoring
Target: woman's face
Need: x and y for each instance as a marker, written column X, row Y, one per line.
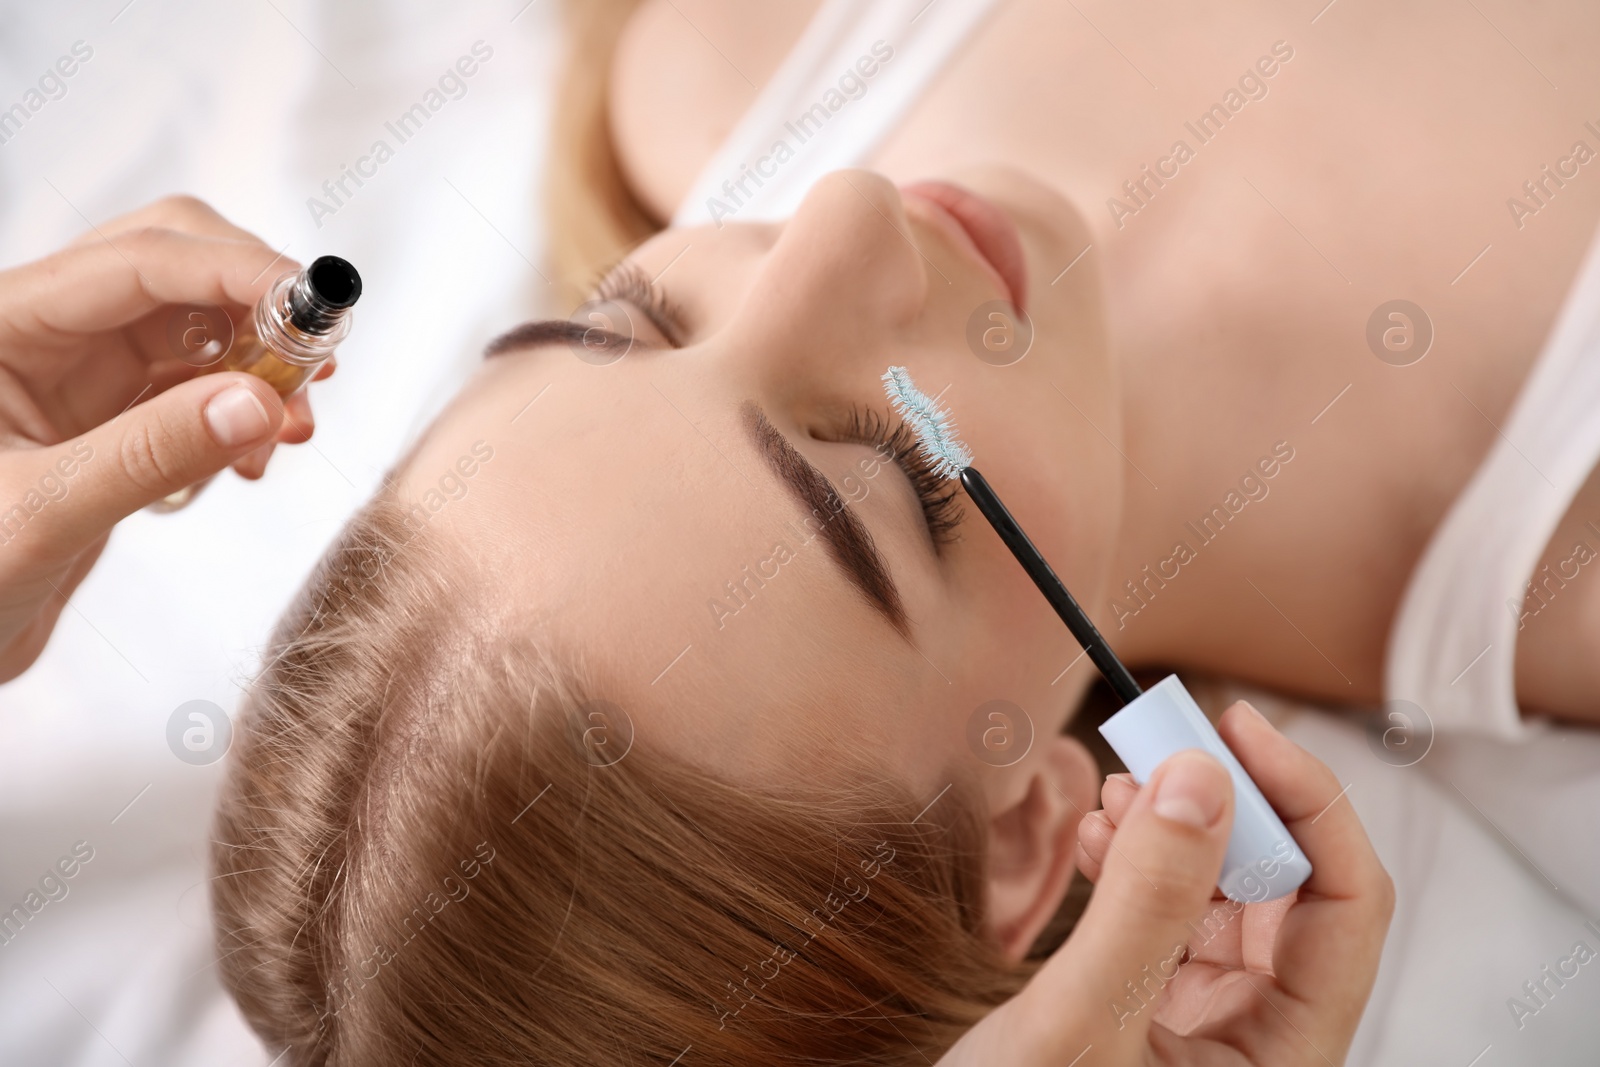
column 674, row 513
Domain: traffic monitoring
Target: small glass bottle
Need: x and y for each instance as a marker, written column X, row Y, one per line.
column 293, row 332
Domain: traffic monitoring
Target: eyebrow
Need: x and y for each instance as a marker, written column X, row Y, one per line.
column 549, row 332
column 849, row 542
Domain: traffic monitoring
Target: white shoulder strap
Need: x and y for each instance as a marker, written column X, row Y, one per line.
column 1452, row 649
column 857, row 68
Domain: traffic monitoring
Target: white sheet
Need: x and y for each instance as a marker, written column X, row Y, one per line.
column 1477, row 913
column 247, row 105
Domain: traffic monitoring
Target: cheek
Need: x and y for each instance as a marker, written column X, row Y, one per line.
column 1098, row 499
column 1005, row 642
column 1063, row 482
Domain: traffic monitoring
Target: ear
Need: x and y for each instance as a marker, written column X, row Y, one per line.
column 1033, row 829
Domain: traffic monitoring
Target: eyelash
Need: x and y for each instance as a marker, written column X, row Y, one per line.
column 626, row 283
column 936, row 494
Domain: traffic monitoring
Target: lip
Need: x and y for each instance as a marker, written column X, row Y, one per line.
column 981, row 227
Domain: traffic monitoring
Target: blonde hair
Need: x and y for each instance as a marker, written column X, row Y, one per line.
column 424, row 853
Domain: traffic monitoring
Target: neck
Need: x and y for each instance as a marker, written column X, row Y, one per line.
column 1168, row 525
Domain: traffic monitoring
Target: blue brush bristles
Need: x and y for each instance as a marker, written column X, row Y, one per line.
column 932, row 424
column 949, row 458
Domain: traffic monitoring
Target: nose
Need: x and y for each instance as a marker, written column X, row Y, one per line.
column 843, row 275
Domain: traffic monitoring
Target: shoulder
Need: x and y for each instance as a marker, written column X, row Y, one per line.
column 682, row 75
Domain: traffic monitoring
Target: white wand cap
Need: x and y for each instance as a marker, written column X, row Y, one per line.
column 1263, row 862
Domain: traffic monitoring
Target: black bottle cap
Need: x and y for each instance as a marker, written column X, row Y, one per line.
column 324, row 292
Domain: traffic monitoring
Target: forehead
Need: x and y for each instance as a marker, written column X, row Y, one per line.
column 625, row 513
column 593, row 475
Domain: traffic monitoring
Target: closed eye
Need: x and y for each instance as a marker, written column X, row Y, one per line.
column 894, row 440
column 626, row 283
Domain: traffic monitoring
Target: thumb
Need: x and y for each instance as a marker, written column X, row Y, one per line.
column 1159, row 875
column 173, row 440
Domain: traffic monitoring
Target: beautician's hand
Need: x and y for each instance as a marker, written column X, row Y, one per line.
column 83, row 335
column 1280, row 984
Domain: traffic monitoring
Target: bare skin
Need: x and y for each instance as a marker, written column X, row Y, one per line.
column 604, row 517
column 614, row 504
column 609, row 517
column 1377, row 166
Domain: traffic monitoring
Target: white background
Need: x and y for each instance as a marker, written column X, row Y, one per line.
column 250, row 105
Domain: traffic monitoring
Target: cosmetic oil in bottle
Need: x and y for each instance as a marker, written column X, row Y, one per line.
column 294, row 330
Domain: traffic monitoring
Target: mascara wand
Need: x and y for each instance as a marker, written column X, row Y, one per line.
column 950, row 458
column 1263, row 861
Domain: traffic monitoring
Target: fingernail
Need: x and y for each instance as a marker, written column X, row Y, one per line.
column 1123, row 777
column 235, row 417
column 1256, row 712
column 1192, row 791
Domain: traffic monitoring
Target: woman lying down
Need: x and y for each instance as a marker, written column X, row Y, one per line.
column 511, row 790
column 630, row 722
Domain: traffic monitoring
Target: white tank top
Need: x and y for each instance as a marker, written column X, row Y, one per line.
column 856, row 70
column 860, row 66
column 1453, row 645
column 1543, row 794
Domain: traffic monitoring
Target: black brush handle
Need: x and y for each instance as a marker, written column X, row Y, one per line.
column 1054, row 591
